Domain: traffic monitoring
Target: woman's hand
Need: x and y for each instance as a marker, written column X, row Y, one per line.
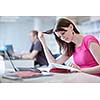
column 74, row 66
column 41, row 36
column 42, row 39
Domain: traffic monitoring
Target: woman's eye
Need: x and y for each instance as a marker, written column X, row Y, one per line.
column 63, row 33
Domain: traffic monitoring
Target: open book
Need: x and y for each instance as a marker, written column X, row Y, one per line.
column 58, row 68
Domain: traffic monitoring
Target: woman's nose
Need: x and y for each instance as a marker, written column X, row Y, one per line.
column 62, row 36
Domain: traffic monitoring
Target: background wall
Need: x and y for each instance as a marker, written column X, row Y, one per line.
column 15, row 31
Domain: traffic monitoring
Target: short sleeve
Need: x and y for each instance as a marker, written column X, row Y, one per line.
column 89, row 39
column 32, row 47
column 38, row 46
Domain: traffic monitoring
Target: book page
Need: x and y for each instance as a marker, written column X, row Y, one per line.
column 55, row 65
column 62, row 66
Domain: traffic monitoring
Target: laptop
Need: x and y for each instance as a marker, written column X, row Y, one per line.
column 20, row 73
column 10, row 51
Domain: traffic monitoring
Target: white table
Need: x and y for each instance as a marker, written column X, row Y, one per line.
column 58, row 78
column 54, row 78
column 19, row 63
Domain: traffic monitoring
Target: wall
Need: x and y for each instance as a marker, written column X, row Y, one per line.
column 44, row 24
column 16, row 33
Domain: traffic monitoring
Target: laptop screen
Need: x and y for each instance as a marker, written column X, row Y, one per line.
column 9, row 49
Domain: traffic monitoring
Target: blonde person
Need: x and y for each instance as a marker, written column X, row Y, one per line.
column 85, row 49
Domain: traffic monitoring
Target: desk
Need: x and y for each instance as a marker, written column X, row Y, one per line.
column 19, row 63
column 59, row 78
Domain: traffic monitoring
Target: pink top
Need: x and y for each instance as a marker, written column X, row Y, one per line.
column 82, row 55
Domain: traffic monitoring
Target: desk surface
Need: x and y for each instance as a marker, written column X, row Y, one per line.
column 19, row 63
column 58, row 78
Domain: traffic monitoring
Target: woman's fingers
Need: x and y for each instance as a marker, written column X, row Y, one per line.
column 73, row 65
column 40, row 35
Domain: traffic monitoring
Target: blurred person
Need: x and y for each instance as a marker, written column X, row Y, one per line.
column 36, row 51
column 85, row 49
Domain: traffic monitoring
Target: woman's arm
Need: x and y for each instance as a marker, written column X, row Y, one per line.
column 95, row 51
column 49, row 57
column 93, row 70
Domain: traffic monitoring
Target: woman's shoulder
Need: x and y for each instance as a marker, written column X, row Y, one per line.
column 90, row 38
column 86, row 37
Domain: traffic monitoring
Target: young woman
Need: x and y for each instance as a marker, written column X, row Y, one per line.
column 85, row 49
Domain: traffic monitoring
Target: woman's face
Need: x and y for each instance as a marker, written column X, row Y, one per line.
column 67, row 34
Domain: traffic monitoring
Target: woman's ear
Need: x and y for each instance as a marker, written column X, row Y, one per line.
column 71, row 26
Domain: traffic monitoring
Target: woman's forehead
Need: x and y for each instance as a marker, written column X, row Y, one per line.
column 61, row 29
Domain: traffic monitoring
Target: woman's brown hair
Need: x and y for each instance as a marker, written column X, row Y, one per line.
column 68, row 47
